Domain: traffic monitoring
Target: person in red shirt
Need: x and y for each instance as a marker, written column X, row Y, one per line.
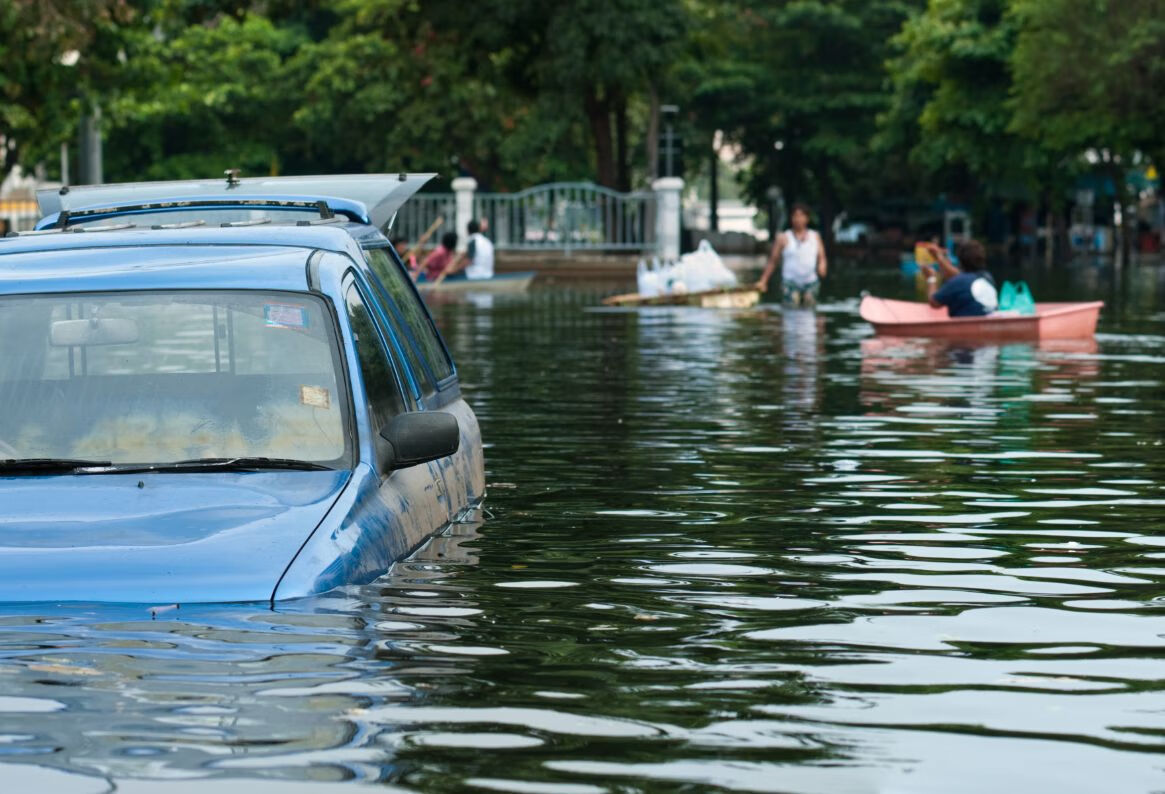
column 438, row 259
column 402, row 247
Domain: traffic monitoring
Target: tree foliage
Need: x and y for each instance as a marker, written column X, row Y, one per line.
column 950, row 103
column 837, row 102
column 51, row 51
column 799, row 86
column 1091, row 75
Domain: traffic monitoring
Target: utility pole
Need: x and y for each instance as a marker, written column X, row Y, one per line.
column 776, row 199
column 669, row 139
column 90, row 166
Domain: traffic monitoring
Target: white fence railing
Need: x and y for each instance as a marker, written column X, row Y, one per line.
column 421, row 211
column 569, row 216
column 561, row 216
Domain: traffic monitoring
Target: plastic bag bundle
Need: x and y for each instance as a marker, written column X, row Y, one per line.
column 703, row 270
column 698, row 271
column 1024, row 302
column 647, row 280
column 1006, row 296
column 1016, row 298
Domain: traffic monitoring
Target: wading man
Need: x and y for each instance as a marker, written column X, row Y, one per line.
column 803, row 264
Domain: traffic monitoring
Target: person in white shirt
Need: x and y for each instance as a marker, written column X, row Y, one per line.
column 478, row 260
column 803, row 263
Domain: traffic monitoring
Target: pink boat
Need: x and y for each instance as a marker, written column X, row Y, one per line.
column 1051, row 321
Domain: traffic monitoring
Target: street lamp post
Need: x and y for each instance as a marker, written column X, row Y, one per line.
column 776, row 199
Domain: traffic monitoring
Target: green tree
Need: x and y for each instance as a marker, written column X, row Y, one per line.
column 1090, row 77
column 51, row 53
column 597, row 63
column 950, row 103
column 194, row 99
column 799, row 85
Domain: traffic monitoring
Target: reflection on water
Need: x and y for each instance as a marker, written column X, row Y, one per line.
column 757, row 551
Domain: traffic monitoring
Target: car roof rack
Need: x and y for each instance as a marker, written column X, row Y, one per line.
column 109, row 227
column 183, row 225
column 248, row 222
column 68, row 216
column 380, row 195
column 119, row 227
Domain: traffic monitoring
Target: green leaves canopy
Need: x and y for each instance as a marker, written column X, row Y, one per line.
column 838, row 102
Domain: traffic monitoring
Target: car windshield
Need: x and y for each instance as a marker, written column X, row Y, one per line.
column 210, row 216
column 160, row 377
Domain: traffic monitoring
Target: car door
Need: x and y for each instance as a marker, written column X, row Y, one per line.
column 415, row 498
column 433, row 374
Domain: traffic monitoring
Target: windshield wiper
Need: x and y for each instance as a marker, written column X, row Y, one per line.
column 218, row 464
column 47, row 465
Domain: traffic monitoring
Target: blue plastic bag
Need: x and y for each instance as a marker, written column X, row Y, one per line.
column 1024, row 302
column 1006, row 296
column 1016, row 298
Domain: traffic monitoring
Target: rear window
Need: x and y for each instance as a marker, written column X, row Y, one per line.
column 158, row 377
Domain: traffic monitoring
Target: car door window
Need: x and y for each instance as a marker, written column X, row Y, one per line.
column 380, row 382
column 402, row 340
column 403, row 298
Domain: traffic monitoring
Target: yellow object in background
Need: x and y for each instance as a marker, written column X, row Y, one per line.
column 922, row 256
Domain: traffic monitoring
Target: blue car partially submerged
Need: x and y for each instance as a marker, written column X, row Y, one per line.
column 199, row 412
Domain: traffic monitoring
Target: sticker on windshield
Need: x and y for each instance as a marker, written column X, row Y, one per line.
column 315, row 396
column 285, row 315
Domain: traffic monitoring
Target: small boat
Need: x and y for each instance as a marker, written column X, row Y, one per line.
column 1050, row 321
column 503, row 282
column 725, row 298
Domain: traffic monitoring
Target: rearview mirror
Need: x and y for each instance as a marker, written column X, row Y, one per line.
column 94, row 331
column 421, row 436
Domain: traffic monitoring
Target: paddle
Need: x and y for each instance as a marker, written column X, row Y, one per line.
column 423, row 238
column 448, row 267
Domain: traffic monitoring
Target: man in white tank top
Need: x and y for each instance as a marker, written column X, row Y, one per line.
column 480, row 252
column 803, row 263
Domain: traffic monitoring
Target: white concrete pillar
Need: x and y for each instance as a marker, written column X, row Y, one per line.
column 667, row 216
column 464, row 187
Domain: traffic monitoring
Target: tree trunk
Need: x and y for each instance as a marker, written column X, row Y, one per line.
column 1120, row 187
column 622, row 159
column 1050, row 237
column 653, row 136
column 1054, row 198
column 599, row 115
column 828, row 209
column 714, row 191
column 1063, row 235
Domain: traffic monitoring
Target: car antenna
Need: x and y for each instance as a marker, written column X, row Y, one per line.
column 232, row 175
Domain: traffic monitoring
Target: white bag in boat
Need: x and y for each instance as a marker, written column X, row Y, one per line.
column 703, row 269
column 647, row 280
column 666, row 274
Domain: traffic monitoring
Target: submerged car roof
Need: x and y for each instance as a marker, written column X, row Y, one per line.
column 369, row 198
column 252, row 257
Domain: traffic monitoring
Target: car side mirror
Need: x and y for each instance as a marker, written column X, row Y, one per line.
column 420, row 436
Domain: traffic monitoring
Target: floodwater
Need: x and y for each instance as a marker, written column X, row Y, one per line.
column 743, row 551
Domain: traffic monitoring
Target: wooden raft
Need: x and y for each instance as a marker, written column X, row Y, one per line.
column 728, row 298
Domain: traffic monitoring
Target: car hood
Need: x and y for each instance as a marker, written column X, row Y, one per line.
column 157, row 538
